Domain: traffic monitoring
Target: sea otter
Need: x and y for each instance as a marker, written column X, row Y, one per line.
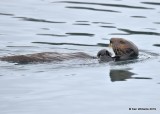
column 45, row 57
column 122, row 48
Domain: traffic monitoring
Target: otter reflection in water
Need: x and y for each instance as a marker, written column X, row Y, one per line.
column 122, row 48
column 122, row 75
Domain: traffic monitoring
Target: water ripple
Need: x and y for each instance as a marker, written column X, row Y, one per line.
column 37, row 20
column 150, row 28
column 81, row 24
column 6, row 14
column 156, row 22
column 82, row 21
column 92, row 9
column 57, row 35
column 157, row 45
column 151, row 3
column 81, row 34
column 71, row 34
column 51, row 43
column 138, row 16
column 144, row 55
column 108, row 26
column 101, row 23
column 131, row 32
column 22, row 46
column 104, row 4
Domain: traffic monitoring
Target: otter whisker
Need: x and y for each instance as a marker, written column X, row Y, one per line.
column 115, row 50
column 119, row 52
column 125, row 52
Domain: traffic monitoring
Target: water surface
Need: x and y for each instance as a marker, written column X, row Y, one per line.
column 79, row 87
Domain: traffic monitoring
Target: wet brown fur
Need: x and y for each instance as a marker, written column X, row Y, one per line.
column 45, row 57
column 124, row 49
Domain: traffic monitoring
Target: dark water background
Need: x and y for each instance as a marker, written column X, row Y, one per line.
column 79, row 87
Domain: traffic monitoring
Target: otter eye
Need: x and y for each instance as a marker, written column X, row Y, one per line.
column 129, row 50
column 122, row 42
column 110, row 42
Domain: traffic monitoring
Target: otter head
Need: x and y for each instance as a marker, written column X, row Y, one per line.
column 104, row 55
column 123, row 49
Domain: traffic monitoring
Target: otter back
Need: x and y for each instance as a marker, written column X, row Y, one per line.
column 45, row 57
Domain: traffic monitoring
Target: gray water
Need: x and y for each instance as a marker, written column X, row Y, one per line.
column 79, row 87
